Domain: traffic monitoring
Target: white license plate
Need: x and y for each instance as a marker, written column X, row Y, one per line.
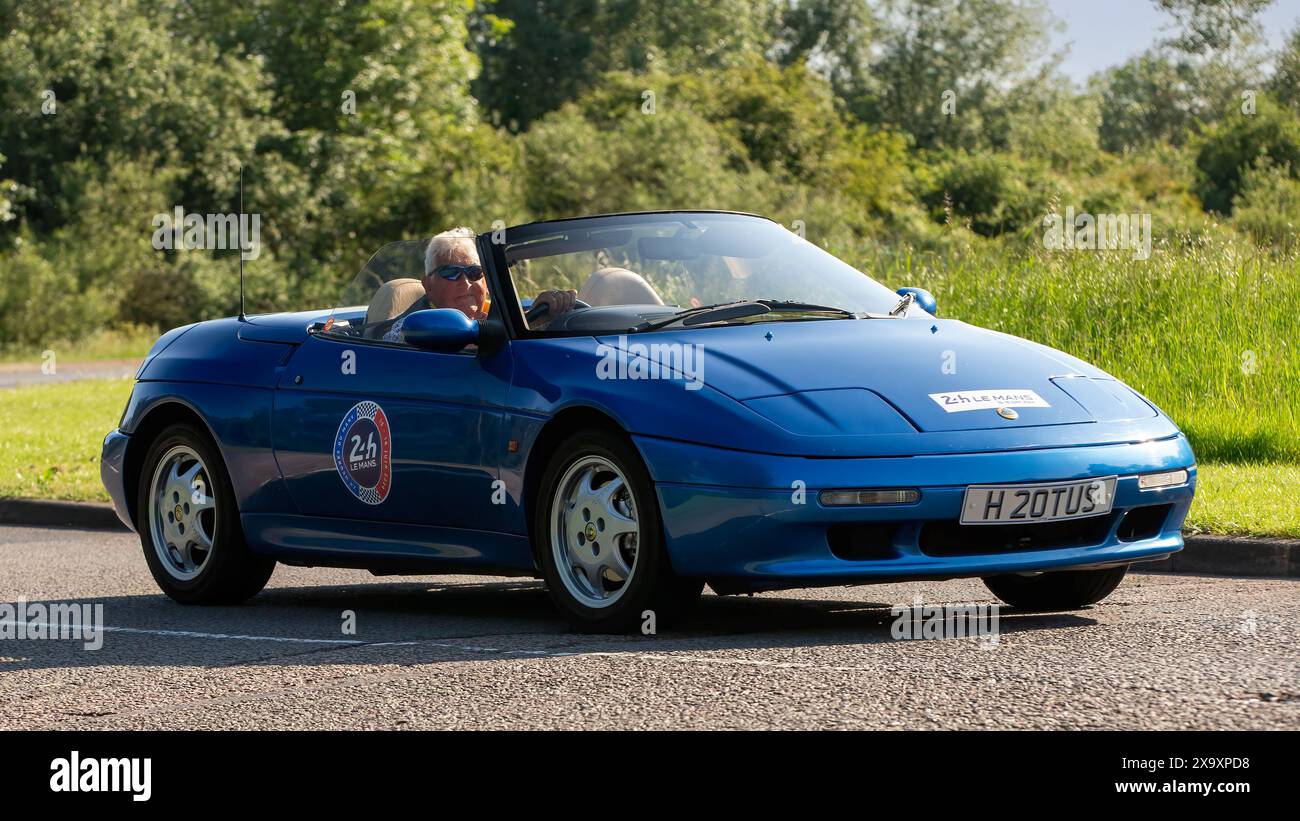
column 1042, row 502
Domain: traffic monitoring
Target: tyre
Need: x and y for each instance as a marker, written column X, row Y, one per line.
column 188, row 523
column 1062, row 590
column 599, row 538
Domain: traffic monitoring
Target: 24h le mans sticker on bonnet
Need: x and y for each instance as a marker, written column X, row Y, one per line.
column 363, row 453
column 957, row 401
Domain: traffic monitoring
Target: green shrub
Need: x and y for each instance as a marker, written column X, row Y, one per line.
column 1268, row 206
column 671, row 159
column 1234, row 145
column 41, row 302
column 991, row 193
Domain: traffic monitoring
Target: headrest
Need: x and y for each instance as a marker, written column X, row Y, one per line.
column 618, row 286
column 392, row 299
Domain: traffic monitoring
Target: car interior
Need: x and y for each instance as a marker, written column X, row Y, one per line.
column 607, row 286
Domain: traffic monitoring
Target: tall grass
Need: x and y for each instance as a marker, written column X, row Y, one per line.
column 1207, row 329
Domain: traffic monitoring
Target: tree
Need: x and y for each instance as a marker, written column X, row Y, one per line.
column 548, row 53
column 832, row 37
column 1213, row 25
column 375, row 112
column 1149, row 98
column 8, row 188
column 86, row 81
column 355, row 123
column 753, row 138
column 970, row 54
column 1196, row 76
column 1285, row 82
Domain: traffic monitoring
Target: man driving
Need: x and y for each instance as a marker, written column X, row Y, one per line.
column 453, row 278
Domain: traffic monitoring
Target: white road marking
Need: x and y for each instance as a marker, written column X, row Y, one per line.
column 464, row 648
column 189, row 634
column 681, row 658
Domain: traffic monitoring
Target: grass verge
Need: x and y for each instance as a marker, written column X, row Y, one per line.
column 52, row 437
column 1254, row 499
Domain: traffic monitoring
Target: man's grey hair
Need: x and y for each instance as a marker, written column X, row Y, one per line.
column 442, row 245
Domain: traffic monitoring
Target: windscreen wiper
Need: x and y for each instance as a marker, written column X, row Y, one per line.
column 724, row 311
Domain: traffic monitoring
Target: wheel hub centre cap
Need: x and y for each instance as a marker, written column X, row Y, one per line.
column 590, row 532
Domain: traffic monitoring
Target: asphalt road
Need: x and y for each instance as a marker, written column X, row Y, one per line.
column 27, row 373
column 1164, row 651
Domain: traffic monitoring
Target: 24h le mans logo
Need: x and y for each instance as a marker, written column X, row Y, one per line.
column 363, row 453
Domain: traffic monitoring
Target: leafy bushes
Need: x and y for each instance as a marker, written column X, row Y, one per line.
column 992, row 194
column 40, row 301
column 1229, row 148
column 1268, row 206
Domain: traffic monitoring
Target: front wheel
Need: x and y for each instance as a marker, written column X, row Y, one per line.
column 600, row 541
column 189, row 523
column 1061, row 590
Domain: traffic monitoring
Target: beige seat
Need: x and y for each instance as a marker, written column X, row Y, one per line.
column 391, row 300
column 618, row 286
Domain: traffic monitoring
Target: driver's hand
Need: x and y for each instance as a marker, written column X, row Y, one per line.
column 557, row 302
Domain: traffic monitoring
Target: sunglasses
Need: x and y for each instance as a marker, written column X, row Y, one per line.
column 454, row 272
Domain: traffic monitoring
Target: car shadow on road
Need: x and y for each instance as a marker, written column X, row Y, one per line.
column 427, row 622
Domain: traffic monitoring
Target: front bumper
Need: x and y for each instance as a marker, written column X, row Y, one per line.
column 112, row 462
column 766, row 529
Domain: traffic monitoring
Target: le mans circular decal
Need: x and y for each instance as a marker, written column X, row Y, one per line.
column 363, row 453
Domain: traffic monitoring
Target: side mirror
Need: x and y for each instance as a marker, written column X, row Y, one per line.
column 440, row 329
column 923, row 299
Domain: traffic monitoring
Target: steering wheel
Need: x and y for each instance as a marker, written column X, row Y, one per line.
column 539, row 310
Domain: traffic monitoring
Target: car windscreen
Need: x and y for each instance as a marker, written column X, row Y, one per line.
column 385, row 287
column 682, row 261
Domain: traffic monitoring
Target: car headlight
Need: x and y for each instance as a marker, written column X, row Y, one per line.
column 1106, row 399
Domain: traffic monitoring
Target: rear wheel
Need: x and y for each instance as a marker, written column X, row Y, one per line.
column 599, row 539
column 1062, row 590
column 189, row 523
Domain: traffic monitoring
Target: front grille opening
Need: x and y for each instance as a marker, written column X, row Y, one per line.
column 1143, row 523
column 952, row 538
column 865, row 541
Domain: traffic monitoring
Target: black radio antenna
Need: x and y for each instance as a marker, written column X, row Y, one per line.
column 240, row 244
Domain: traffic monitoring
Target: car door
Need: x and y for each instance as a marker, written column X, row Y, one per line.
column 391, row 433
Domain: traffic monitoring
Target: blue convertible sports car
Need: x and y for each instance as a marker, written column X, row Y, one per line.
column 632, row 406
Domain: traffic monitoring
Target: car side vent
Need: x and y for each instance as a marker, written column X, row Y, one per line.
column 862, row 541
column 1143, row 523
